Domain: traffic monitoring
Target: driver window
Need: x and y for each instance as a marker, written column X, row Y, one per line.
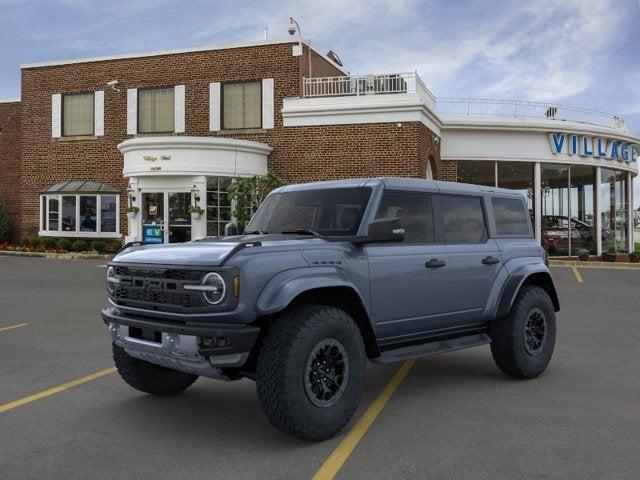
column 414, row 210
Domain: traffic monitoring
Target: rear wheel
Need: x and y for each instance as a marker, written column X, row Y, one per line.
column 150, row 378
column 310, row 371
column 522, row 343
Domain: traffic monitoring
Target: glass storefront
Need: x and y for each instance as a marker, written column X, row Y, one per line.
column 218, row 205
column 614, row 209
column 568, row 202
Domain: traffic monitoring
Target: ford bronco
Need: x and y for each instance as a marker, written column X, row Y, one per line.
column 327, row 276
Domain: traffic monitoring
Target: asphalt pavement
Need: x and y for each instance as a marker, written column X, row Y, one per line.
column 453, row 416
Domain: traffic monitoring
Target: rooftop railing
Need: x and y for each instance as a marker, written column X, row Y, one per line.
column 527, row 109
column 389, row 83
column 356, row 85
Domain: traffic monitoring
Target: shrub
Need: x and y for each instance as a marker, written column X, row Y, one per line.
column 4, row 222
column 113, row 246
column 65, row 244
column 98, row 246
column 80, row 246
column 33, row 242
column 48, row 242
column 24, row 242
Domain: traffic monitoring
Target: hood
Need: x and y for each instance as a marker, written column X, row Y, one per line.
column 193, row 253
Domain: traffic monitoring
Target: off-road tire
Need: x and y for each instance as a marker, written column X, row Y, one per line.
column 150, row 378
column 281, row 371
column 508, row 335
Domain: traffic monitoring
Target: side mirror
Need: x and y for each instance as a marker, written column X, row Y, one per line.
column 230, row 229
column 385, row 230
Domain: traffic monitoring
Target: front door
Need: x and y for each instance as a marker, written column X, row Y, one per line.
column 165, row 217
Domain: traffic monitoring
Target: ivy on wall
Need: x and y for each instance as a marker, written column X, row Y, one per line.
column 247, row 193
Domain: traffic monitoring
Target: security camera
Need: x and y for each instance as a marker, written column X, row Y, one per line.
column 291, row 29
column 112, row 83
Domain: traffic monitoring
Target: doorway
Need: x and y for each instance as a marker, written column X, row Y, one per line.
column 165, row 217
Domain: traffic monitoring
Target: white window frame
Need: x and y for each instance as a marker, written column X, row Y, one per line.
column 44, row 222
column 57, row 121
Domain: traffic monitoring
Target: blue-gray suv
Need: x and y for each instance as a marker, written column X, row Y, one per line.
column 326, row 276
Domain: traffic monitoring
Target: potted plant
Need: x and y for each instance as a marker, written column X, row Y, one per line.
column 195, row 211
column 583, row 255
column 610, row 255
column 131, row 212
column 634, row 257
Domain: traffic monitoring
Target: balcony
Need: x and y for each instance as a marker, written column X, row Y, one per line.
column 366, row 86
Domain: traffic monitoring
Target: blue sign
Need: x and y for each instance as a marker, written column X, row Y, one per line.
column 152, row 234
column 588, row 146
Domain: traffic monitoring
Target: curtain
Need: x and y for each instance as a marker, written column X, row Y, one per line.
column 156, row 110
column 242, row 107
column 77, row 114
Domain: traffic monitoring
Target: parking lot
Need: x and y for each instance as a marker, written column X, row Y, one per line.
column 452, row 416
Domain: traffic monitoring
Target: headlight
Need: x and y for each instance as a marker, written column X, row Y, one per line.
column 212, row 287
column 112, row 280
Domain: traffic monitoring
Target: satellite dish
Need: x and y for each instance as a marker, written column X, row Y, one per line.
column 334, row 56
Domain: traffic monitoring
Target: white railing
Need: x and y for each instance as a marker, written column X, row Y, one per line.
column 527, row 109
column 376, row 84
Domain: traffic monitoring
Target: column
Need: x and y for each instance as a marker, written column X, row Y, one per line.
column 537, row 201
column 598, row 212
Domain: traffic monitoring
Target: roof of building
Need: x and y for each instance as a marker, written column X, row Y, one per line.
column 82, row 186
column 174, row 52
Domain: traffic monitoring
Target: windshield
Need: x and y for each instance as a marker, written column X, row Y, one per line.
column 330, row 212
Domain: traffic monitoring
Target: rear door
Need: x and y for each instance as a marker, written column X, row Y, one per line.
column 407, row 280
column 473, row 258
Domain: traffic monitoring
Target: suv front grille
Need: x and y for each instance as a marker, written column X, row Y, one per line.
column 158, row 289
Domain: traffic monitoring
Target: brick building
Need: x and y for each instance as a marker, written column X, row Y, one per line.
column 162, row 131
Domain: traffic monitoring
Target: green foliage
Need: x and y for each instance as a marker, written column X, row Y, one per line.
column 611, row 250
column 113, row 246
column 583, row 253
column 98, row 246
column 195, row 209
column 80, row 246
column 247, row 193
column 48, row 242
column 5, row 228
column 24, row 242
column 65, row 244
column 33, row 241
column 132, row 209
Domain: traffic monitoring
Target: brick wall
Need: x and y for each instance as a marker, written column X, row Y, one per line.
column 299, row 153
column 10, row 161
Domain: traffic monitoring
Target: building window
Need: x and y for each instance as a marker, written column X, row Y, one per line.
column 477, row 172
column 582, row 196
column 156, row 110
column 614, row 210
column 218, row 205
column 555, row 209
column 242, row 105
column 80, row 215
column 78, row 114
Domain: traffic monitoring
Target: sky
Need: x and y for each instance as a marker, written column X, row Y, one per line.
column 577, row 52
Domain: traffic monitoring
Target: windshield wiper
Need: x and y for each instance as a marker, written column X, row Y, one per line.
column 302, row 231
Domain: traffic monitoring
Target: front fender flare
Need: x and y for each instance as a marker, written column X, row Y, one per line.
column 281, row 289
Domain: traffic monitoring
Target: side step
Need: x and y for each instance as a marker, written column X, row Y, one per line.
column 433, row 348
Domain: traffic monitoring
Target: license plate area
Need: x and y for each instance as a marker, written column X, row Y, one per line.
column 145, row 334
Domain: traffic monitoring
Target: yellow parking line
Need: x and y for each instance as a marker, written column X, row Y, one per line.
column 11, row 327
column 334, row 463
column 51, row 391
column 576, row 272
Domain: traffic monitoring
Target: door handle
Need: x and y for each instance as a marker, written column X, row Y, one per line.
column 435, row 263
column 490, row 260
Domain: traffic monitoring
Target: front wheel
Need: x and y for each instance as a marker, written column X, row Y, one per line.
column 522, row 343
column 310, row 371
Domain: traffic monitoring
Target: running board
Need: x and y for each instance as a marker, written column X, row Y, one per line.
column 433, row 348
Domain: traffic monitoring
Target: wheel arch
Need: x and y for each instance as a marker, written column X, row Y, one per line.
column 536, row 276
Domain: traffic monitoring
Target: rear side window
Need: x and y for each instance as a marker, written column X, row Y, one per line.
column 463, row 219
column 511, row 216
column 414, row 209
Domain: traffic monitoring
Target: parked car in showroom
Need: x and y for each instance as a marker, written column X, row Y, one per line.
column 326, row 277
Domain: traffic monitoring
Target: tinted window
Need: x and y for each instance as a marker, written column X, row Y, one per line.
column 463, row 219
column 331, row 212
column 414, row 209
column 511, row 216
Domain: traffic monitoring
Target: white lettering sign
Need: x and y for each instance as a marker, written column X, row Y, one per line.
column 597, row 147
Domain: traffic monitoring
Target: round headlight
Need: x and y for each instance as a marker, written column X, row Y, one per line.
column 214, row 288
column 111, row 280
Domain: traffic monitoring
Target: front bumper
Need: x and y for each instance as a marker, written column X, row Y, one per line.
column 199, row 348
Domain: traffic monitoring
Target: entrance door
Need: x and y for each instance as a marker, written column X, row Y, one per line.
column 165, row 218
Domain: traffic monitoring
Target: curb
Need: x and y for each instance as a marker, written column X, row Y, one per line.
column 605, row 265
column 57, row 256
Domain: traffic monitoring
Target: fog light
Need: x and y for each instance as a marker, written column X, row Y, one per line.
column 212, row 342
column 113, row 330
column 174, row 340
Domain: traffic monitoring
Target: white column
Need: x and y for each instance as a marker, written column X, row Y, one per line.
column 598, row 211
column 630, row 212
column 199, row 226
column 537, row 201
column 134, row 225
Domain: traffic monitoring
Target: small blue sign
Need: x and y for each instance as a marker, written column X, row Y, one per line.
column 152, row 234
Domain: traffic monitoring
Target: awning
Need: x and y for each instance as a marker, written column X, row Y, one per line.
column 81, row 186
